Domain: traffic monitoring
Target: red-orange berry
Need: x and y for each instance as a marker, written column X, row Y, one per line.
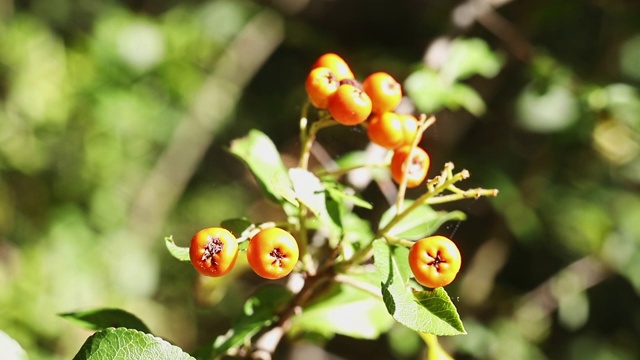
column 349, row 105
column 272, row 253
column 416, row 168
column 385, row 92
column 386, row 130
column 321, row 83
column 435, row 261
column 409, row 128
column 213, row 251
column 336, row 64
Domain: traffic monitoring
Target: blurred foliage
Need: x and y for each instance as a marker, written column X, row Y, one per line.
column 539, row 99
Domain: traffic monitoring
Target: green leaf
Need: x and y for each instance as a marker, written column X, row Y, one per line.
column 429, row 312
column 259, row 153
column 259, row 311
column 465, row 96
column 357, row 231
column 422, row 221
column 361, row 158
column 100, row 319
column 427, row 90
column 127, row 344
column 352, row 159
column 469, row 57
column 178, row 252
column 438, row 302
column 236, row 226
column 348, row 311
column 555, row 109
column 431, row 90
column 310, row 191
column 339, row 194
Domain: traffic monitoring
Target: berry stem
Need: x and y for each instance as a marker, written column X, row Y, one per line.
column 340, row 172
column 434, row 350
column 402, row 189
column 358, row 284
column 307, row 137
column 471, row 193
column 398, row 241
column 435, row 186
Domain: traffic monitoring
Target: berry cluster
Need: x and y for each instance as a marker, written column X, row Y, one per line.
column 331, row 86
column 272, row 253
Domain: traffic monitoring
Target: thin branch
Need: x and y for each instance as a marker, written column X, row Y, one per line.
column 588, row 272
column 360, row 285
column 425, row 123
column 211, row 108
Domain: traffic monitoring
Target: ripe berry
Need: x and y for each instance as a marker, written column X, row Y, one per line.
column 385, row 92
column 417, row 167
column 435, row 261
column 213, row 251
column 321, row 83
column 386, row 130
column 272, row 253
column 409, row 128
column 349, row 105
column 336, row 64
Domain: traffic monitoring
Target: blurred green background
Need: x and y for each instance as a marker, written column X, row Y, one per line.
column 114, row 116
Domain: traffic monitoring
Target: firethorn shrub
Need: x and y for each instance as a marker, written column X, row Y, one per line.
column 323, row 241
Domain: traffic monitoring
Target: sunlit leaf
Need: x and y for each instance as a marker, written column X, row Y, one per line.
column 100, row 319
column 236, row 226
column 421, row 222
column 259, row 153
column 127, row 344
column 339, row 194
column 469, row 57
column 259, row 311
column 178, row 252
column 466, row 97
column 427, row 90
column 356, row 231
column 309, row 190
column 348, row 311
column 552, row 109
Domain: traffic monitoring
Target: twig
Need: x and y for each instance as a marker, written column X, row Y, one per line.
column 210, row 109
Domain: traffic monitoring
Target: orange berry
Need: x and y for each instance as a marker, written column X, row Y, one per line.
column 213, row 251
column 416, row 169
column 409, row 128
column 386, row 130
column 385, row 92
column 435, row 261
column 272, row 253
column 321, row 83
column 349, row 105
column 336, row 64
